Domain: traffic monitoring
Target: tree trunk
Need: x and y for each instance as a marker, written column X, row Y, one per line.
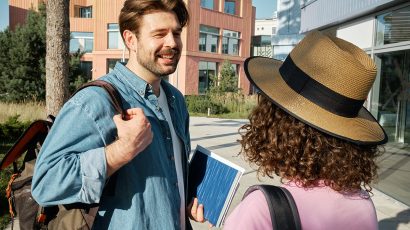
column 57, row 56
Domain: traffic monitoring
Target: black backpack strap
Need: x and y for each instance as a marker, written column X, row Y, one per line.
column 282, row 207
column 111, row 90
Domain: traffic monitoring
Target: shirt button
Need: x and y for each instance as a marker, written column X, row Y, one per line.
column 172, row 158
column 176, row 184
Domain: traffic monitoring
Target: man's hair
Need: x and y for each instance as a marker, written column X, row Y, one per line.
column 281, row 145
column 133, row 11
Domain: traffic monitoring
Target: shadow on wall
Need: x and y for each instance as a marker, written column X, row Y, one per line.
column 393, row 223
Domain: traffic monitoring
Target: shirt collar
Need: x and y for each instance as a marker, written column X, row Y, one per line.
column 134, row 81
column 140, row 85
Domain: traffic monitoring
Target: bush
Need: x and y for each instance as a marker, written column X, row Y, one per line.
column 12, row 129
column 201, row 103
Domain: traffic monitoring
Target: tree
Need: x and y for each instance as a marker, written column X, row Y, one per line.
column 22, row 61
column 22, row 58
column 57, row 55
column 227, row 81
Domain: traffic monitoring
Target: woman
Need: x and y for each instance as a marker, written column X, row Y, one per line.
column 310, row 128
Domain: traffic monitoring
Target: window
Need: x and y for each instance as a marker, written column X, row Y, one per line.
column 83, row 11
column 114, row 37
column 235, row 68
column 207, row 70
column 208, row 39
column 82, row 41
column 230, row 42
column 391, row 96
column 86, row 67
column 273, row 30
column 111, row 64
column 229, row 7
column 86, row 12
column 261, row 46
column 209, row 4
column 393, row 27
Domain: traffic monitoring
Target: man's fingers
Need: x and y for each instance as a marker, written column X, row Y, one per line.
column 194, row 208
column 135, row 111
column 200, row 213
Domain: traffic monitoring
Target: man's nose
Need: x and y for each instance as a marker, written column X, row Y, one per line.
column 170, row 40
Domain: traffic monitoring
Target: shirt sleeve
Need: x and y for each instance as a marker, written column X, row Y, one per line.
column 71, row 166
column 252, row 213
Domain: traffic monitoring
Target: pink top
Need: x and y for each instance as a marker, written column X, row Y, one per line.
column 319, row 208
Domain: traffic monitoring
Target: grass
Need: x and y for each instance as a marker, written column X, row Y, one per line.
column 28, row 111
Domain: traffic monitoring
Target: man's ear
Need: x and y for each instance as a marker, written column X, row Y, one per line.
column 130, row 40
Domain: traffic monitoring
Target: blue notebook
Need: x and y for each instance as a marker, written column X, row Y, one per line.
column 213, row 180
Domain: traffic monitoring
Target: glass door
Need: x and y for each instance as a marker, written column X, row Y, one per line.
column 391, row 94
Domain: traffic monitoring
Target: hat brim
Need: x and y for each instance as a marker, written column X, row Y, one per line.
column 264, row 74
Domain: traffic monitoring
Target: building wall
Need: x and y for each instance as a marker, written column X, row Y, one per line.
column 186, row 76
column 18, row 10
column 264, row 26
column 288, row 33
column 320, row 14
column 243, row 23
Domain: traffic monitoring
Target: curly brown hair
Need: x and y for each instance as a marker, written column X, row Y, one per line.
column 280, row 144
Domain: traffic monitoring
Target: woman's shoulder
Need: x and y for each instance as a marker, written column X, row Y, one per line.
column 331, row 208
column 251, row 213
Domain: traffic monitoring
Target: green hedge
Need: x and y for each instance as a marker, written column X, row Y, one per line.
column 201, row 103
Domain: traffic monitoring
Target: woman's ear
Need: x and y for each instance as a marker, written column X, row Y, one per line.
column 130, row 40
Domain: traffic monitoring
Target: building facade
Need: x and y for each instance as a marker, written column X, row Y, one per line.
column 219, row 30
column 288, row 32
column 265, row 29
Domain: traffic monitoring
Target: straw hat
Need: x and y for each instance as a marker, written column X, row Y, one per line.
column 323, row 82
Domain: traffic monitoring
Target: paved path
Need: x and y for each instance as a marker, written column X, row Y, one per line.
column 220, row 135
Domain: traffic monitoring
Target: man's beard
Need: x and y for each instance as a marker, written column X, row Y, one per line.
column 153, row 66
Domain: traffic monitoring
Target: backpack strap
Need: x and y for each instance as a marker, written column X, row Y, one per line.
column 36, row 130
column 111, row 90
column 282, row 207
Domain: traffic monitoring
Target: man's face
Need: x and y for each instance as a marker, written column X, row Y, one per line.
column 159, row 43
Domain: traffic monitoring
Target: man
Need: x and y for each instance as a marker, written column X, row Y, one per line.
column 148, row 151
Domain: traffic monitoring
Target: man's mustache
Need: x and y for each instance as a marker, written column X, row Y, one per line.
column 168, row 52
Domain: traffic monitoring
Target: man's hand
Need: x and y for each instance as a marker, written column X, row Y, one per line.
column 134, row 135
column 196, row 212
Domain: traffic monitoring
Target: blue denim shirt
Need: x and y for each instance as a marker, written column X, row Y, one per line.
column 71, row 166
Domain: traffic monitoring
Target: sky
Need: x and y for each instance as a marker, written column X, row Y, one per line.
column 4, row 14
column 264, row 9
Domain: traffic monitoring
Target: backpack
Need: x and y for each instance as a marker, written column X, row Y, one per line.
column 282, row 208
column 21, row 203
